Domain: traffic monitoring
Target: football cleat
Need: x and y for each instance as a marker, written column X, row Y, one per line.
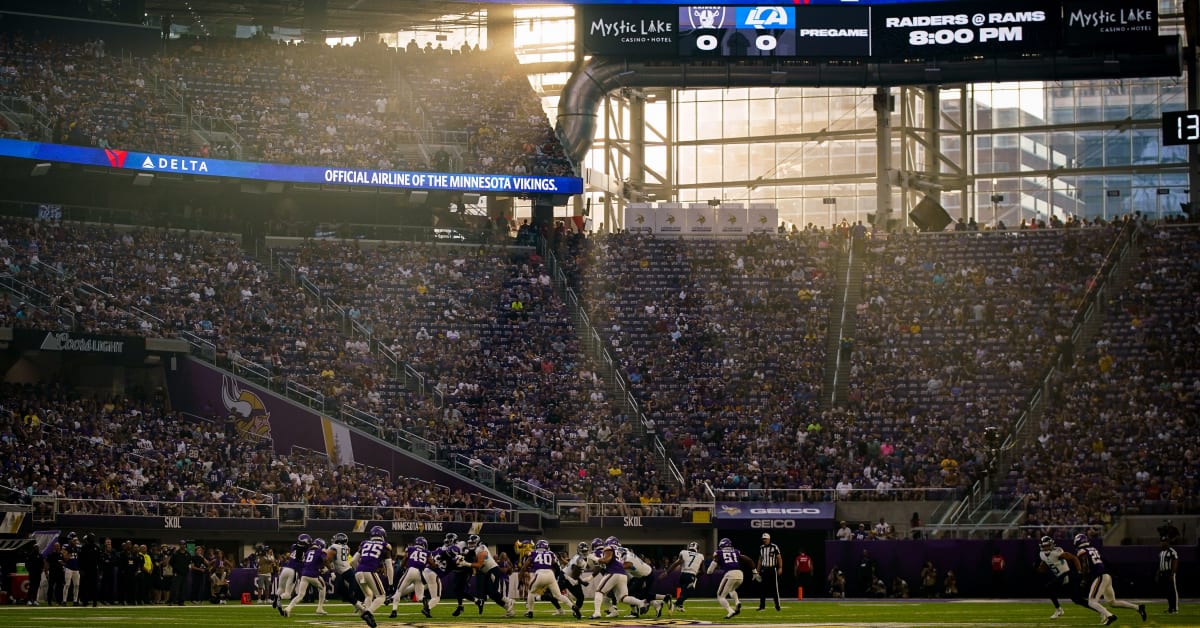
column 321, row 611
column 1142, row 611
column 1110, row 620
column 393, row 615
column 1058, row 612
column 370, row 619
column 529, row 614
column 576, row 613
column 737, row 610
column 457, row 612
column 479, row 603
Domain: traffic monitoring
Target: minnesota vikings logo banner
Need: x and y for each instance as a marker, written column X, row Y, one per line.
column 763, row 217
column 639, row 218
column 668, row 220
column 701, row 218
column 732, row 218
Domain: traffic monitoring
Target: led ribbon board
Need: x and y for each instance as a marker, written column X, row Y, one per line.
column 202, row 166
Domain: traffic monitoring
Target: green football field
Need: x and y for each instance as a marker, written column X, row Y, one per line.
column 807, row 614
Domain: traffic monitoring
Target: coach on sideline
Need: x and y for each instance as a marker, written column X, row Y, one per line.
column 770, row 564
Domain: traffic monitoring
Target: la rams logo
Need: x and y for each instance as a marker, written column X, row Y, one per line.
column 248, row 407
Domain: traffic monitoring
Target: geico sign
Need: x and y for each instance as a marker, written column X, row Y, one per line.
column 785, row 511
column 772, row 523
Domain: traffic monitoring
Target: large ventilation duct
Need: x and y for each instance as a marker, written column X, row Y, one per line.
column 585, row 90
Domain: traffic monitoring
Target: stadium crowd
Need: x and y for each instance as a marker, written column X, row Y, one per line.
column 1126, row 399
column 361, row 106
column 953, row 334
column 515, row 388
column 132, row 456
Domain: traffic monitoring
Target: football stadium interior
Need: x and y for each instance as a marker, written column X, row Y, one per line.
column 907, row 291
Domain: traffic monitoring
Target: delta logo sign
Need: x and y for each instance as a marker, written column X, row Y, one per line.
column 117, row 158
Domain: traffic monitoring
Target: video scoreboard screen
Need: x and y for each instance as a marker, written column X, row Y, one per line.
column 878, row 31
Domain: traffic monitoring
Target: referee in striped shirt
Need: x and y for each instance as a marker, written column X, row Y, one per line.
column 1168, row 568
column 770, row 564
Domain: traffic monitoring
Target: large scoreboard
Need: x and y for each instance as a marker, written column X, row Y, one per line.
column 878, row 31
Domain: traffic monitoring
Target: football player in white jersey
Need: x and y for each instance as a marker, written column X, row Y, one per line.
column 1064, row 572
column 343, row 583
column 689, row 562
column 641, row 581
column 575, row 574
column 487, row 576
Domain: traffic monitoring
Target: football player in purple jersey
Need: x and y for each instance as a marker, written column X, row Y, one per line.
column 289, row 571
column 728, row 558
column 597, row 570
column 441, row 563
column 615, row 580
column 1101, row 588
column 412, row 582
column 543, row 564
column 461, row 572
column 311, row 575
column 373, row 553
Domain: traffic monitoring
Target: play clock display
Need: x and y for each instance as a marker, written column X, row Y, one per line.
column 1181, row 127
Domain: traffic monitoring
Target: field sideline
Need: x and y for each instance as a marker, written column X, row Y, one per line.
column 808, row 614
